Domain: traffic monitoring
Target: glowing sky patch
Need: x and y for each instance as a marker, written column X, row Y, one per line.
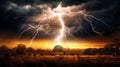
column 48, row 44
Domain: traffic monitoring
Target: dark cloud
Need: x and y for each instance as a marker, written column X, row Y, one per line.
column 14, row 13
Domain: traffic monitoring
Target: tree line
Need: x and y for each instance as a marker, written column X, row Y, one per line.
column 110, row 49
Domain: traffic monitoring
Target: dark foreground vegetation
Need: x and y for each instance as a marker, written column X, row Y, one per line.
column 20, row 56
column 59, row 61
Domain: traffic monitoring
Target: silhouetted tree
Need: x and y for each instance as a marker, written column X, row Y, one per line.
column 21, row 49
column 113, row 48
column 40, row 51
column 58, row 48
column 109, row 49
column 4, row 50
column 30, row 51
column 116, row 46
column 13, row 51
column 100, row 51
column 90, row 51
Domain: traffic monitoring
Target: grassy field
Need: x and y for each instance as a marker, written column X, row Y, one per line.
column 59, row 61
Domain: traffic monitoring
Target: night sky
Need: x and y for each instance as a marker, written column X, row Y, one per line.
column 13, row 16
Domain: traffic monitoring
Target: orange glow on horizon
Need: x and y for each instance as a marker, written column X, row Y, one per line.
column 48, row 44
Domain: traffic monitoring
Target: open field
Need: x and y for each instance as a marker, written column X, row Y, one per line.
column 59, row 61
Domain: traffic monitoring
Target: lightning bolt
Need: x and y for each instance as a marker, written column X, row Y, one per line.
column 58, row 39
column 59, row 12
column 91, row 23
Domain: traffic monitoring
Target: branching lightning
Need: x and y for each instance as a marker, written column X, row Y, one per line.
column 61, row 31
column 59, row 12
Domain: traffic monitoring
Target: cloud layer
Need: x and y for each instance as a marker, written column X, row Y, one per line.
column 14, row 14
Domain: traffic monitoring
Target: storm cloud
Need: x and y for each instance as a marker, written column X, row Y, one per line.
column 16, row 13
